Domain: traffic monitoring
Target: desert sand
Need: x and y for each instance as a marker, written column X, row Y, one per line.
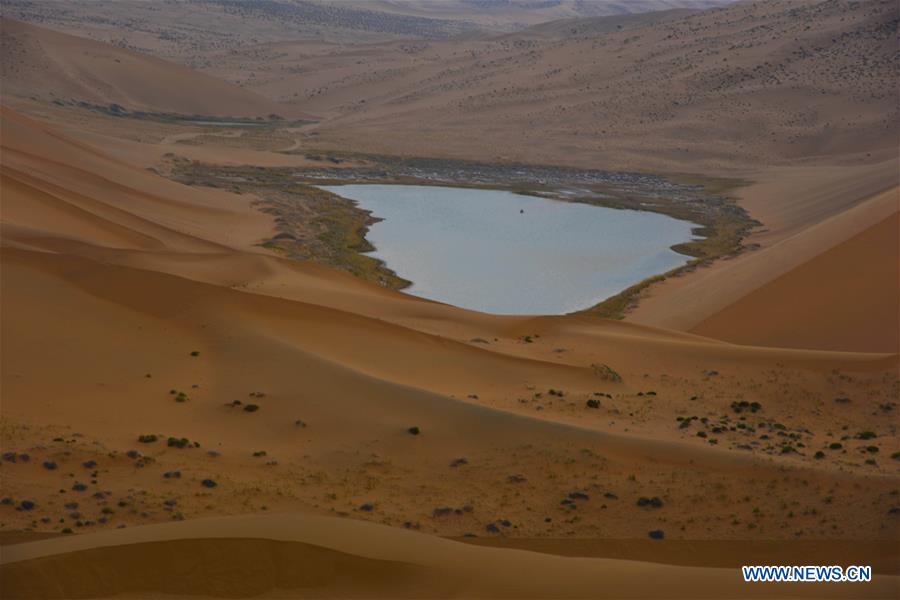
column 188, row 411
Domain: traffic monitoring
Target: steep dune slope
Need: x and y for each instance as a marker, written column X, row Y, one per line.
column 56, row 66
column 846, row 297
column 832, row 298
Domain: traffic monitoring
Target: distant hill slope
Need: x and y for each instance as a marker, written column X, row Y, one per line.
column 40, row 62
column 515, row 14
column 755, row 83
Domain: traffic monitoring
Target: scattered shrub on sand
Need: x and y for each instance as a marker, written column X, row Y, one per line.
column 656, row 534
column 172, row 474
column 896, row 455
column 835, row 445
column 79, row 487
column 414, row 430
column 259, row 453
column 866, row 435
column 181, row 397
column 592, row 403
column 147, row 438
column 26, row 505
column 49, row 465
column 195, row 353
column 175, row 442
column 606, row 372
column 208, row 483
column 251, row 408
column 872, row 449
column 743, row 405
column 367, row 507
column 89, row 464
column 654, row 502
column 458, row 462
column 67, row 530
column 820, row 455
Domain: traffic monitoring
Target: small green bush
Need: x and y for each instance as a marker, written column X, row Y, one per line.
column 147, row 438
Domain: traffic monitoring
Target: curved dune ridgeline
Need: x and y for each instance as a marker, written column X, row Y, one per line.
column 300, row 557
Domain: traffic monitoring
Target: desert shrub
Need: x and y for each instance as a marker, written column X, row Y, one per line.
column 251, row 408
column 208, row 483
column 414, row 430
column 656, row 534
column 174, row 442
column 606, row 372
column 743, row 405
column 835, row 445
column 866, row 435
column 654, row 502
column 592, row 403
column 147, row 438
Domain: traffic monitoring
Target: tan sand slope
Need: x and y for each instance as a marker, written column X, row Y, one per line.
column 832, row 292
column 846, row 297
column 56, row 66
column 292, row 556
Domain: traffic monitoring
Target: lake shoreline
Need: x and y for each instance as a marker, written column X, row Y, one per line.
column 501, row 252
column 292, row 196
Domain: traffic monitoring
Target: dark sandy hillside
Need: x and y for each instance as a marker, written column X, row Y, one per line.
column 756, row 83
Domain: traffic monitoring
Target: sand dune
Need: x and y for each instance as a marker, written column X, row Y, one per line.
column 65, row 68
column 325, row 557
column 788, row 262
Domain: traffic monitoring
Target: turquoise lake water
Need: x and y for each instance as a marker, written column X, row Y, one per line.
column 505, row 253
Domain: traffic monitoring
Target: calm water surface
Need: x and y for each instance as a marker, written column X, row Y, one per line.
column 500, row 252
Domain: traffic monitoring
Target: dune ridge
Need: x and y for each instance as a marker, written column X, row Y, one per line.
column 316, row 557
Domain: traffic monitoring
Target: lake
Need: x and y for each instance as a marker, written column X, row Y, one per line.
column 504, row 253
